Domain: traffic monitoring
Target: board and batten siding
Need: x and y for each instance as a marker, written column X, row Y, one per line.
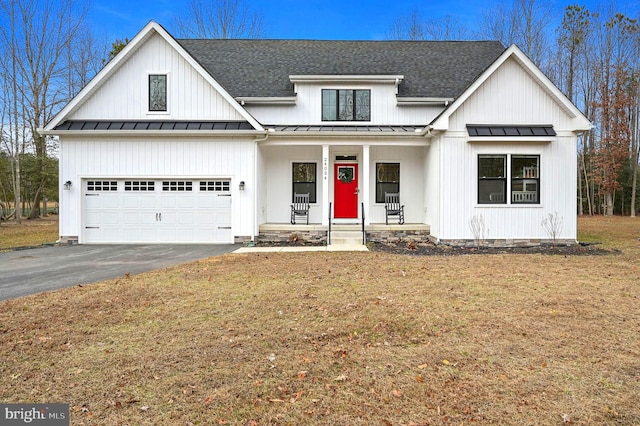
column 156, row 158
column 510, row 96
column 308, row 107
column 433, row 185
column 412, row 181
column 279, row 160
column 124, row 95
column 278, row 183
column 460, row 191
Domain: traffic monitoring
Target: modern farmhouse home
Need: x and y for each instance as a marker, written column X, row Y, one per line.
column 184, row 141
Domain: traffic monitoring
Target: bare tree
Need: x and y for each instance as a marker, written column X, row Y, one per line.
column 445, row 28
column 526, row 23
column 35, row 38
column 219, row 19
column 413, row 27
column 410, row 27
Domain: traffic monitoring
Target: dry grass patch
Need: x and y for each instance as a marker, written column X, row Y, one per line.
column 338, row 338
column 29, row 233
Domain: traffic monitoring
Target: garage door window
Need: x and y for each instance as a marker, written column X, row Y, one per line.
column 177, row 185
column 215, row 185
column 102, row 185
column 139, row 185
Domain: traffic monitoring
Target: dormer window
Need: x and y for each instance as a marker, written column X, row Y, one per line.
column 157, row 92
column 346, row 105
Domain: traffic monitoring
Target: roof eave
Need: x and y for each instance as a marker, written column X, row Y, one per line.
column 164, row 133
column 267, row 100
column 319, row 78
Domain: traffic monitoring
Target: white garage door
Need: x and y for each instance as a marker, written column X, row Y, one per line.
column 157, row 211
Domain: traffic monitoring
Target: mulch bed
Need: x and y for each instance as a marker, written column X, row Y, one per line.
column 430, row 249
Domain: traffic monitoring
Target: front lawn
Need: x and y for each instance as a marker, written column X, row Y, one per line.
column 341, row 338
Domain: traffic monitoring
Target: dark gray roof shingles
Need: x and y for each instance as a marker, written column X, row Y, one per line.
column 261, row 68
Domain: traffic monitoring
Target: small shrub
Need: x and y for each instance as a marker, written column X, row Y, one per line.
column 552, row 225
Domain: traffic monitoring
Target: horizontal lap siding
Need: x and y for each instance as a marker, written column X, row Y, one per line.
column 158, row 158
column 124, row 95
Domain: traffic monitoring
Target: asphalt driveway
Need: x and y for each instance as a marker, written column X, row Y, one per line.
column 26, row 272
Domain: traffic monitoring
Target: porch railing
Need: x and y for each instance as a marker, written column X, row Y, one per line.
column 364, row 234
column 329, row 231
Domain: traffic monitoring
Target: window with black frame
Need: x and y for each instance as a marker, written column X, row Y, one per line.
column 304, row 180
column 492, row 179
column 387, row 179
column 346, row 105
column 525, row 179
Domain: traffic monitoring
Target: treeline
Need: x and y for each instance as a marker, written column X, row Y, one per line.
column 593, row 56
column 48, row 53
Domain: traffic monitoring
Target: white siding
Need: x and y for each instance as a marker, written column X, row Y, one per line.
column 278, row 181
column 278, row 184
column 308, row 107
column 432, row 179
column 124, row 95
column 460, row 186
column 510, row 96
column 412, row 181
column 159, row 158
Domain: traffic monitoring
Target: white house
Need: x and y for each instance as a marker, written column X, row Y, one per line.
column 182, row 141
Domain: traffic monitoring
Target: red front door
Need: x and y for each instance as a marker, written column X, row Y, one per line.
column 345, row 197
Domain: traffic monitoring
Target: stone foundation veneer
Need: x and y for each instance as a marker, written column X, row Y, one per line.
column 397, row 235
column 68, row 240
column 506, row 243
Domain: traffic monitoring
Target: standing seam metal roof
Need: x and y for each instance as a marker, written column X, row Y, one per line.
column 261, row 68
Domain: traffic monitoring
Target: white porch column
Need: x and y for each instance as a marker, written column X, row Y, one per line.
column 365, row 183
column 325, row 185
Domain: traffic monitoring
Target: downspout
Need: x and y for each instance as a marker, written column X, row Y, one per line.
column 256, row 231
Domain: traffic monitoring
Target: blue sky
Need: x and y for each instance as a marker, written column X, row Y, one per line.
column 311, row 19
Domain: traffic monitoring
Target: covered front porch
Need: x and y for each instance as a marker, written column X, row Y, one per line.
column 346, row 181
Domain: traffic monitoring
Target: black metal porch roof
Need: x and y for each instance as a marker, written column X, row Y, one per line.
column 153, row 125
column 510, row 131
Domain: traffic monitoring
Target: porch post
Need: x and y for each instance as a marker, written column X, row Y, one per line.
column 365, row 181
column 325, row 185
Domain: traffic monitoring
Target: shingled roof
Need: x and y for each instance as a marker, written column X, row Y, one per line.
column 261, row 68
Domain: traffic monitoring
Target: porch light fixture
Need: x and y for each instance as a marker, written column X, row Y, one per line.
column 241, row 186
column 67, row 185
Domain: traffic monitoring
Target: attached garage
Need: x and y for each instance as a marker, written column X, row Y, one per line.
column 135, row 210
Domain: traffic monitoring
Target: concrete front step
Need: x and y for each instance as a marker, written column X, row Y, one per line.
column 344, row 237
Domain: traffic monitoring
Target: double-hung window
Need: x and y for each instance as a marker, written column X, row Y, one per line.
column 525, row 180
column 387, row 179
column 346, row 105
column 304, row 180
column 495, row 187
